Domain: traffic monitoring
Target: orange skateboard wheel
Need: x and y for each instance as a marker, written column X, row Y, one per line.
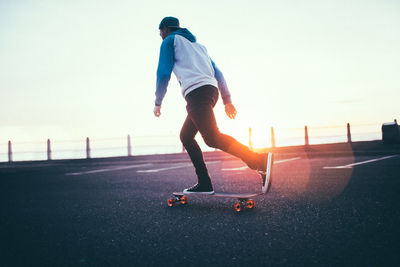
column 250, row 204
column 238, row 207
column 184, row 200
column 171, row 202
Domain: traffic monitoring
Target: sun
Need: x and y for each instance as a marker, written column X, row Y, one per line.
column 248, row 132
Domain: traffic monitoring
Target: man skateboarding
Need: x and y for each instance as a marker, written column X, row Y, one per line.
column 200, row 80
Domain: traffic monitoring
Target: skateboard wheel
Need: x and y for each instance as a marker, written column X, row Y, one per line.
column 250, row 204
column 171, row 202
column 184, row 200
column 238, row 207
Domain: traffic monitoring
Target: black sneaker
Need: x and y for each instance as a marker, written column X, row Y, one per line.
column 200, row 189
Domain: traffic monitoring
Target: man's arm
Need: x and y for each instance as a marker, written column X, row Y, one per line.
column 230, row 109
column 223, row 87
column 164, row 70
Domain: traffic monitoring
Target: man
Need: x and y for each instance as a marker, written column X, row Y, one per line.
column 200, row 80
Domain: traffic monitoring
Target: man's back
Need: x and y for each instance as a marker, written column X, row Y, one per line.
column 189, row 60
column 192, row 66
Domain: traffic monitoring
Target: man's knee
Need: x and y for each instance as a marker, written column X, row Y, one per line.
column 185, row 139
column 212, row 140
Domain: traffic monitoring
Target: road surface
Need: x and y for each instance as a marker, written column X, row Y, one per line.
column 339, row 210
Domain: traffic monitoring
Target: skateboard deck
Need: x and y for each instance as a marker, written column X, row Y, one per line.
column 244, row 199
column 222, row 194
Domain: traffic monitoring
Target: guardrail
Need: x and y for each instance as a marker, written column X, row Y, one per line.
column 139, row 145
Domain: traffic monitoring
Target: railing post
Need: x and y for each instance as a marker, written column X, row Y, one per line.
column 272, row 137
column 48, row 150
column 348, row 133
column 10, row 159
column 306, row 135
column 250, row 142
column 88, row 148
column 129, row 146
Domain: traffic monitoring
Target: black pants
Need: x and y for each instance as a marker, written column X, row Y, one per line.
column 200, row 104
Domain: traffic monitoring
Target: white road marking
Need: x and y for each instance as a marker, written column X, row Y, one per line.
column 172, row 167
column 109, row 169
column 235, row 169
column 245, row 167
column 165, row 169
column 349, row 166
column 286, row 160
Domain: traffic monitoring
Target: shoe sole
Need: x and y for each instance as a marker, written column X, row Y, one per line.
column 267, row 175
column 198, row 193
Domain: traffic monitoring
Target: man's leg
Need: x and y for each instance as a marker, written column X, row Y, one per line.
column 200, row 111
column 187, row 135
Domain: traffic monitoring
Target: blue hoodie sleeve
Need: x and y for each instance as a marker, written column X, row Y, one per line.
column 223, row 87
column 164, row 70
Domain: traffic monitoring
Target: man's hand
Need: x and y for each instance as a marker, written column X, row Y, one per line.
column 157, row 111
column 230, row 110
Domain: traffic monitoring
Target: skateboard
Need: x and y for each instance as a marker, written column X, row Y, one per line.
column 244, row 200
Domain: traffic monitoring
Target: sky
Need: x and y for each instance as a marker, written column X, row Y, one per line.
column 71, row 69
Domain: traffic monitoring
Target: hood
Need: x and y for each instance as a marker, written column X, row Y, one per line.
column 185, row 33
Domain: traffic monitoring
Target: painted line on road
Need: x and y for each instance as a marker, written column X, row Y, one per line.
column 235, row 169
column 172, row 167
column 286, row 160
column 246, row 167
column 165, row 169
column 109, row 169
column 349, row 166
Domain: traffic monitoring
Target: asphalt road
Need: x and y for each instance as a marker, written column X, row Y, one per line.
column 321, row 211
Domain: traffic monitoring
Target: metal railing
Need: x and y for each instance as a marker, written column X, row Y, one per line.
column 139, row 145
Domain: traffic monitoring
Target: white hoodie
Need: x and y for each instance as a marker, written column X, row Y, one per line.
column 191, row 65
